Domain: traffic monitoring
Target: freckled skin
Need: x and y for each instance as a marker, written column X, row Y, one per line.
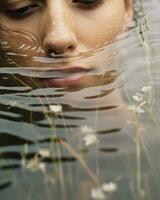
column 63, row 27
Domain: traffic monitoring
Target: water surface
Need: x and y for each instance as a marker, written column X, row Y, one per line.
column 121, row 110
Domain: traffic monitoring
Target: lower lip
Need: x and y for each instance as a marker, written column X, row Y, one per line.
column 69, row 81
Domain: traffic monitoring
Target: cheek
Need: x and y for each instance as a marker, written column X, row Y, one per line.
column 20, row 37
column 19, row 42
column 103, row 25
column 20, row 47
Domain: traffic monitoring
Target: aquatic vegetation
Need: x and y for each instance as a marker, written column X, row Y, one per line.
column 97, row 193
column 109, row 187
column 146, row 88
column 76, row 145
column 101, row 192
column 90, row 139
column 89, row 136
column 86, row 130
column 140, row 99
column 55, row 109
column 136, row 108
column 44, row 153
column 34, row 164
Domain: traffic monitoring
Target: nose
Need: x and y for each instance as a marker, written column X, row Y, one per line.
column 59, row 38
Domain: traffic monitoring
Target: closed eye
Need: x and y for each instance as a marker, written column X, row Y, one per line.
column 88, row 3
column 22, row 12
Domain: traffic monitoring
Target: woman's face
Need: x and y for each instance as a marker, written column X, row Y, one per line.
column 59, row 28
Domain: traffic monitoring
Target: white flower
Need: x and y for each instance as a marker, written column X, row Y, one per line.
column 109, row 187
column 138, row 97
column 55, row 108
column 90, row 139
column 97, row 193
column 35, row 164
column 100, row 192
column 86, row 130
column 136, row 109
column 146, row 88
column 44, row 153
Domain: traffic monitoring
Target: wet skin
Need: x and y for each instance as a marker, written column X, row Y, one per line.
column 61, row 28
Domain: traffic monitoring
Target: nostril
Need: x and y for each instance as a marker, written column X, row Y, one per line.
column 52, row 52
column 60, row 51
column 71, row 48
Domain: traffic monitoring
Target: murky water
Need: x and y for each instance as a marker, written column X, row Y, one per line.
column 107, row 130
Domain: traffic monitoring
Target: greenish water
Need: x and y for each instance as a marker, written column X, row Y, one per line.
column 44, row 155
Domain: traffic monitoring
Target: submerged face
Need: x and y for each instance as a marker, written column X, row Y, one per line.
column 64, row 28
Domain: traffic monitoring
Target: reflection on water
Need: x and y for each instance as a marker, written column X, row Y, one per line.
column 67, row 142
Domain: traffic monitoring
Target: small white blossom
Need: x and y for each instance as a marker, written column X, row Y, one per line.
column 138, row 97
column 85, row 130
column 35, row 164
column 146, row 88
column 136, row 109
column 97, row 193
column 44, row 153
column 109, row 187
column 55, row 108
column 90, row 139
column 100, row 192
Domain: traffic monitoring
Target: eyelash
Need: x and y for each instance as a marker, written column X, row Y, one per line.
column 88, row 4
column 22, row 12
column 28, row 10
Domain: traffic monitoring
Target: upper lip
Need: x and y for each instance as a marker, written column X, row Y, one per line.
column 73, row 69
column 62, row 72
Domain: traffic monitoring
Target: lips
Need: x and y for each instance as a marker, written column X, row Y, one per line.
column 68, row 77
